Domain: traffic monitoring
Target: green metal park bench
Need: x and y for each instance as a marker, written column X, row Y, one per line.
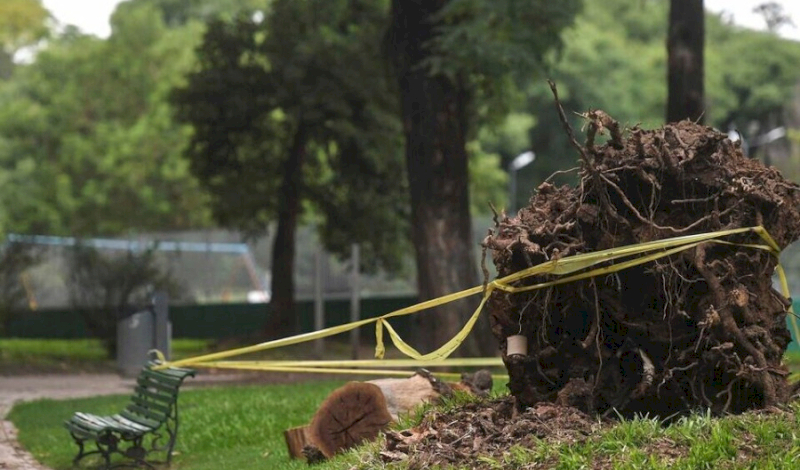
column 149, row 423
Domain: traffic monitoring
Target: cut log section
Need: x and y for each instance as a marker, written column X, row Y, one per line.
column 351, row 414
column 358, row 411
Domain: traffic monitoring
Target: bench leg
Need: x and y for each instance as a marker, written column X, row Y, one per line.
column 80, row 451
column 103, row 448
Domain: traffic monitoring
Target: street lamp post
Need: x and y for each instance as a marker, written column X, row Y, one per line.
column 520, row 161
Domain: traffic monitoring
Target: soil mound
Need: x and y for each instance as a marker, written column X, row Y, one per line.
column 700, row 329
column 484, row 429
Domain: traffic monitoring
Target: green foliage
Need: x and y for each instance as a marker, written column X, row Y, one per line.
column 179, row 12
column 614, row 59
column 22, row 23
column 27, row 355
column 496, row 43
column 751, row 75
column 85, row 131
column 488, row 183
column 303, row 83
column 496, row 38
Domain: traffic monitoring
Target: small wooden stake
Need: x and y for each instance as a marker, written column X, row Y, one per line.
column 296, row 440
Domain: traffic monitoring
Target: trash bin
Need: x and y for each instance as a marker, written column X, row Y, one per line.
column 140, row 332
column 135, row 337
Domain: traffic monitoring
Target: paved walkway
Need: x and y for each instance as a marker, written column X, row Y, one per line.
column 15, row 389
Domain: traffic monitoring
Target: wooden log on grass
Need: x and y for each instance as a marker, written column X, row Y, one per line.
column 358, row 411
column 350, row 415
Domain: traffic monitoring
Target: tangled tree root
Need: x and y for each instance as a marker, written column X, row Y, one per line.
column 703, row 328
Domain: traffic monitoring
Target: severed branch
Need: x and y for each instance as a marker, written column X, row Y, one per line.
column 568, row 128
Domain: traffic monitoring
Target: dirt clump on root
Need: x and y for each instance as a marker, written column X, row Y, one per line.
column 700, row 329
column 465, row 437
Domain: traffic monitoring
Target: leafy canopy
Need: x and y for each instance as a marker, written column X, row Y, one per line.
column 307, row 79
column 87, row 142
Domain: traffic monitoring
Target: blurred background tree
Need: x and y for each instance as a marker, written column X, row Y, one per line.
column 23, row 23
column 15, row 260
column 106, row 287
column 307, row 112
column 291, row 114
column 87, row 141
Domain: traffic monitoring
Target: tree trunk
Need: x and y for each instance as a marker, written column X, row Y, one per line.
column 685, row 42
column 435, row 121
column 282, row 318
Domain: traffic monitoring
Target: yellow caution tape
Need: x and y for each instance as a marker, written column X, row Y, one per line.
column 368, row 363
column 646, row 252
column 297, row 367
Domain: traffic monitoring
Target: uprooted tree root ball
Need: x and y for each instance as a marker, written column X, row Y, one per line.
column 700, row 329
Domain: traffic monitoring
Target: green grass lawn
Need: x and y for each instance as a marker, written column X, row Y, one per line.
column 241, row 428
column 23, row 355
column 231, row 427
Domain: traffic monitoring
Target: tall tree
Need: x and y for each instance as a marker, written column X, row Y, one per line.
column 288, row 113
column 685, row 50
column 446, row 53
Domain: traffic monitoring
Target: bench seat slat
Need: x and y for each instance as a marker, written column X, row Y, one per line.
column 136, row 418
column 127, row 422
column 93, row 425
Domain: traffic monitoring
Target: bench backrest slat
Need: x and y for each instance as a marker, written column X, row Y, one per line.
column 161, row 377
column 161, row 387
column 146, row 413
column 176, row 372
column 152, row 405
column 154, row 395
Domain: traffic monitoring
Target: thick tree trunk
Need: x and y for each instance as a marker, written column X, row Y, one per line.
column 685, row 42
column 435, row 124
column 282, row 317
